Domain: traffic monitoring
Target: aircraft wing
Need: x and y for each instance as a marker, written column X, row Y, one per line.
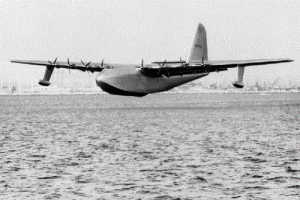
column 203, row 66
column 245, row 63
column 92, row 67
column 169, row 62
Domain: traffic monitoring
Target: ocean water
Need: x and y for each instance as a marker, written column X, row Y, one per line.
column 161, row 146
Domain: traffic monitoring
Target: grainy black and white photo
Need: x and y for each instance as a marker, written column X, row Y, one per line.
column 173, row 100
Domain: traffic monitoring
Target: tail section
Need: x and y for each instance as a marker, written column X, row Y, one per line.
column 199, row 48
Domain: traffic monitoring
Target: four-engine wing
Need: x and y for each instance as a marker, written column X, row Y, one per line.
column 182, row 68
column 91, row 67
column 196, row 67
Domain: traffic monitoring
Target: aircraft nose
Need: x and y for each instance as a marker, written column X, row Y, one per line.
column 105, row 86
column 104, row 82
column 99, row 80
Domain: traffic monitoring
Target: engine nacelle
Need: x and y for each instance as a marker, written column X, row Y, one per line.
column 47, row 76
column 239, row 83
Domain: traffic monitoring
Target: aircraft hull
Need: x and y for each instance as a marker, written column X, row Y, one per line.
column 130, row 81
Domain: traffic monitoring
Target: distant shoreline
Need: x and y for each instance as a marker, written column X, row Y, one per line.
column 168, row 92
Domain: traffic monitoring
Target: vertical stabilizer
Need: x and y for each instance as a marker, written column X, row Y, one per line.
column 199, row 48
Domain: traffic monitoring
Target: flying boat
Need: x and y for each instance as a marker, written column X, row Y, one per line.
column 142, row 79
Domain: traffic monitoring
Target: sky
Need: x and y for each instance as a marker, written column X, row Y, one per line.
column 129, row 31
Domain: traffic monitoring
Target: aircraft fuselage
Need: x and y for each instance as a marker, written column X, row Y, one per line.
column 129, row 80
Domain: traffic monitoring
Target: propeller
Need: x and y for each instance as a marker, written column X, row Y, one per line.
column 142, row 64
column 86, row 65
column 183, row 64
column 164, row 63
column 97, row 66
column 52, row 63
column 70, row 65
column 161, row 66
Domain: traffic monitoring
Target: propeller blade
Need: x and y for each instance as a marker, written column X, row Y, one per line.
column 86, row 64
column 182, row 65
column 142, row 64
column 69, row 66
column 102, row 63
column 164, row 62
column 52, row 63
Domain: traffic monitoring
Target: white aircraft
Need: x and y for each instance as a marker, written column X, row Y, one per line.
column 140, row 80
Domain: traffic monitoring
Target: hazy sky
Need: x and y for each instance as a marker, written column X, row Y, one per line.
column 128, row 31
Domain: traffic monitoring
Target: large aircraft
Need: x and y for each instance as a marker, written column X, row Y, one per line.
column 140, row 80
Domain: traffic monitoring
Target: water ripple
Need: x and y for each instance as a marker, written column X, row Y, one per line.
column 164, row 146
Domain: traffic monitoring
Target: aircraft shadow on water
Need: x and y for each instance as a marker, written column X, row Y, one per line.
column 140, row 80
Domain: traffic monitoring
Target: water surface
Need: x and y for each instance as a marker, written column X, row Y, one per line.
column 162, row 146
